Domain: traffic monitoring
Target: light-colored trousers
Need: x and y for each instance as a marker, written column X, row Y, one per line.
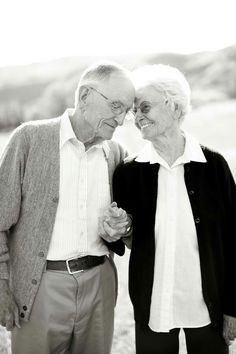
column 71, row 314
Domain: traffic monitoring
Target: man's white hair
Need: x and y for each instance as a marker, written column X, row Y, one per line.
column 99, row 72
column 168, row 81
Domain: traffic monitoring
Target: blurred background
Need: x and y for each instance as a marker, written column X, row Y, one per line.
column 46, row 45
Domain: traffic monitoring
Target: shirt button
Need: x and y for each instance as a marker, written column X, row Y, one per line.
column 22, row 315
column 191, row 192
column 24, row 307
column 197, row 220
column 55, row 199
column 34, row 281
column 41, row 254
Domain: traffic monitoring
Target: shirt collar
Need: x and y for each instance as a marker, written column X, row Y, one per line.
column 66, row 130
column 192, row 152
column 67, row 134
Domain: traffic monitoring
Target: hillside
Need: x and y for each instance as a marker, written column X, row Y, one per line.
column 43, row 90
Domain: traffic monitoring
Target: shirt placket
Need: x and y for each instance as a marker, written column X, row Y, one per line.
column 82, row 204
column 166, row 307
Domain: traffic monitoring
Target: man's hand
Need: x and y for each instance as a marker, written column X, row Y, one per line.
column 9, row 313
column 114, row 223
column 229, row 329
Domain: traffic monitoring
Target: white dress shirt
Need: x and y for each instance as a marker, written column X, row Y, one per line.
column 177, row 300
column 84, row 195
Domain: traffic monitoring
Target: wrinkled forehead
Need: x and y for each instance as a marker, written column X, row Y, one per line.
column 118, row 87
column 147, row 93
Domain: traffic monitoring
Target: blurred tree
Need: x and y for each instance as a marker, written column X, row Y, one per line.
column 11, row 115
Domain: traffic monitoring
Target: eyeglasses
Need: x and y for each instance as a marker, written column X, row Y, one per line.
column 116, row 106
column 146, row 107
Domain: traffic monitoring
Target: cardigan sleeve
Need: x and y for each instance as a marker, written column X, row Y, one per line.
column 229, row 238
column 122, row 194
column 12, row 164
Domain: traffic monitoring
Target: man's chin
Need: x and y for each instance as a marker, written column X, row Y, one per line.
column 108, row 136
column 107, row 133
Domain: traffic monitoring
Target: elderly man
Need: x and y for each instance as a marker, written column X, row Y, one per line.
column 57, row 282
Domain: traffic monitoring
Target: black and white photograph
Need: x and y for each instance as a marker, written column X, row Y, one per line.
column 117, row 177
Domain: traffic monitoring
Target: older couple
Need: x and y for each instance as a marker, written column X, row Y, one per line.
column 174, row 205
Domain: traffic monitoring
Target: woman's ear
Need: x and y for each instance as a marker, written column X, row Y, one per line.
column 177, row 111
column 180, row 112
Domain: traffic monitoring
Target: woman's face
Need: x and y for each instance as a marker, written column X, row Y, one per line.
column 153, row 114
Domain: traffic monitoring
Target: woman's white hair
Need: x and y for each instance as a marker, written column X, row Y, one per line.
column 168, row 81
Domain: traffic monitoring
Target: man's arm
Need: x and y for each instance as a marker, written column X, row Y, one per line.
column 12, row 164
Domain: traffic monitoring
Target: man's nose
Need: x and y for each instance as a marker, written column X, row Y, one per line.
column 120, row 118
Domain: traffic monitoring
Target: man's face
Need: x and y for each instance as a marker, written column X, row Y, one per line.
column 107, row 105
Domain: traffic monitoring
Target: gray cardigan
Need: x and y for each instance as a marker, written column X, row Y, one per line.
column 29, row 194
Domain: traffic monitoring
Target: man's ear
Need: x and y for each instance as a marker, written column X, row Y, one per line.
column 84, row 92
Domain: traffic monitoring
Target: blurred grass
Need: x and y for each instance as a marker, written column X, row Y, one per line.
column 214, row 125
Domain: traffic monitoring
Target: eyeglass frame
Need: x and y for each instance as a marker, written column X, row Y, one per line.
column 134, row 110
column 112, row 103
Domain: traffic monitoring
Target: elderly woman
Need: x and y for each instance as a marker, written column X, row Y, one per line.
column 182, row 199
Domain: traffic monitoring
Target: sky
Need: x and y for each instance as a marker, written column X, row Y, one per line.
column 36, row 31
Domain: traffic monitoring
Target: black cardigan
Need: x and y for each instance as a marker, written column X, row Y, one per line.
column 212, row 195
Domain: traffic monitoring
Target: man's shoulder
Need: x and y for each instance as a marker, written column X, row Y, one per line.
column 39, row 124
column 114, row 145
column 37, row 128
column 116, row 152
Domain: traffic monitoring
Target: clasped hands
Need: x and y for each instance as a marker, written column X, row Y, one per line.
column 114, row 223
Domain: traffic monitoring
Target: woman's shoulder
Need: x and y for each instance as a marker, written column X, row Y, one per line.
column 216, row 161
column 212, row 155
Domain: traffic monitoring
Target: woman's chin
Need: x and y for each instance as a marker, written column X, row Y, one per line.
column 145, row 135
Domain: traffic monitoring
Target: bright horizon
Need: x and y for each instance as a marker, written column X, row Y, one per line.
column 34, row 31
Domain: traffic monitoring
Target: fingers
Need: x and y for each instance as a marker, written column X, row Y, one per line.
column 228, row 335
column 116, row 224
column 114, row 234
column 9, row 322
column 16, row 317
column 3, row 322
column 228, row 341
column 229, row 338
column 114, row 211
